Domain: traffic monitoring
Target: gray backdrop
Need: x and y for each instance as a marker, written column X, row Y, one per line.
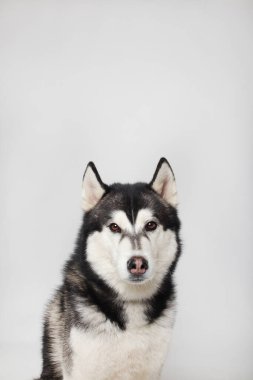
column 124, row 83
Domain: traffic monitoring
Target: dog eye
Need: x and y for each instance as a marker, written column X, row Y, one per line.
column 151, row 226
column 114, row 227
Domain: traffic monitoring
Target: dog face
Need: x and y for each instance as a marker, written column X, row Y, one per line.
column 132, row 240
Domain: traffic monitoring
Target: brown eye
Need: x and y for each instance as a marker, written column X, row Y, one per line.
column 151, row 226
column 114, row 227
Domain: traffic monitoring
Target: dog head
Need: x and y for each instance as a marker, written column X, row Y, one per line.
column 132, row 230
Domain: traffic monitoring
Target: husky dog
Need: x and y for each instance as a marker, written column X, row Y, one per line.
column 112, row 317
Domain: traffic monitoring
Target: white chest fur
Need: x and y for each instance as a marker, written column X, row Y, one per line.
column 107, row 353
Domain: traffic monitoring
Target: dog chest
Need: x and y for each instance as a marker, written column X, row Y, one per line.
column 136, row 353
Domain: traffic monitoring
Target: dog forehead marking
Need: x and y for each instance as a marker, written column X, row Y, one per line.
column 143, row 216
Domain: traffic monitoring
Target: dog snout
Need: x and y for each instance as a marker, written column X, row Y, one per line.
column 137, row 265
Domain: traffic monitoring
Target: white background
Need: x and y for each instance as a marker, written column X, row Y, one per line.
column 124, row 83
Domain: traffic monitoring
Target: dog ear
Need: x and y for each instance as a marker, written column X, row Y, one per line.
column 92, row 188
column 163, row 182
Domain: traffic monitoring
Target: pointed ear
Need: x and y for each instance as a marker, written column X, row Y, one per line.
column 92, row 188
column 163, row 182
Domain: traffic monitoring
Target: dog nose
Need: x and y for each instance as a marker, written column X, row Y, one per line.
column 137, row 265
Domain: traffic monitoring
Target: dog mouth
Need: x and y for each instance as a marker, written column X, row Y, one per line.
column 137, row 278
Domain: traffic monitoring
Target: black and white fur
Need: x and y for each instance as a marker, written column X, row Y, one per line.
column 104, row 322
